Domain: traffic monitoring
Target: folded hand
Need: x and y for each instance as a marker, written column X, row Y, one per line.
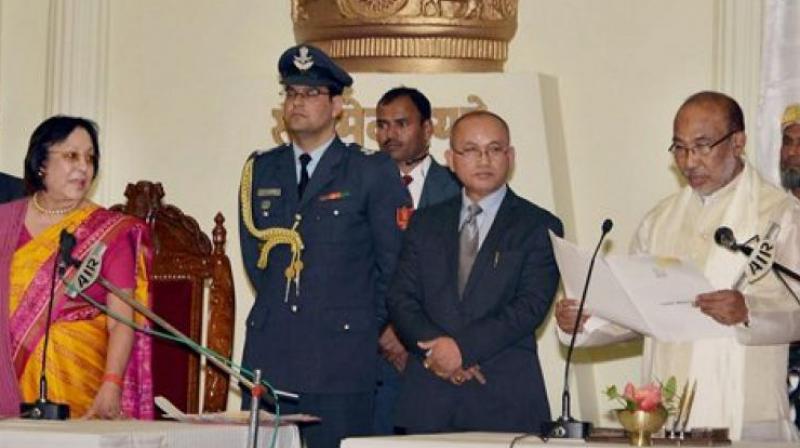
column 443, row 357
column 392, row 349
column 462, row 376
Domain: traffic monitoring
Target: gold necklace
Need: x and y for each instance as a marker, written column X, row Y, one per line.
column 53, row 211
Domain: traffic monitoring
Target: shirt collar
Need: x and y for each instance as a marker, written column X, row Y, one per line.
column 315, row 153
column 489, row 204
column 420, row 171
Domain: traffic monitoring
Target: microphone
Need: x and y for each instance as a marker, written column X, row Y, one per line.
column 607, row 226
column 760, row 259
column 42, row 408
column 724, row 238
column 66, row 243
column 566, row 427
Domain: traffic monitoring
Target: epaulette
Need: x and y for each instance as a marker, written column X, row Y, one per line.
column 368, row 151
column 257, row 153
column 260, row 152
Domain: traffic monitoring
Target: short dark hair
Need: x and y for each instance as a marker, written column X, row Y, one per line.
column 733, row 112
column 476, row 114
column 420, row 101
column 50, row 132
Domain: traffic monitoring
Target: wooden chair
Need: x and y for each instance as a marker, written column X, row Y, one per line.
column 185, row 266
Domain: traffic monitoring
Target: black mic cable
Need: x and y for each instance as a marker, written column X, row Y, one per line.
column 565, row 399
column 42, row 374
column 42, row 408
column 566, row 427
column 66, row 242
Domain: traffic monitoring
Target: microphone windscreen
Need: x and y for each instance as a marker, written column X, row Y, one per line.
column 66, row 244
column 607, row 225
column 66, row 239
column 724, row 237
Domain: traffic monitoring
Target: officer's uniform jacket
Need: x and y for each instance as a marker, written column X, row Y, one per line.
column 321, row 336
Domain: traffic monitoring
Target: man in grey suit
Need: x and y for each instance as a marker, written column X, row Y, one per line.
column 404, row 131
column 475, row 278
column 10, row 188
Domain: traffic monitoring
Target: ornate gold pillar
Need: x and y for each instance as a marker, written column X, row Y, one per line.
column 428, row 36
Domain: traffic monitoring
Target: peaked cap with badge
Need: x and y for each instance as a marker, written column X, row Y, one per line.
column 309, row 66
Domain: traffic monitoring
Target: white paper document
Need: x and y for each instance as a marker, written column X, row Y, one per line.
column 650, row 295
column 231, row 417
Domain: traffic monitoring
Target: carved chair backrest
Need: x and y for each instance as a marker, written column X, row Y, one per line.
column 186, row 267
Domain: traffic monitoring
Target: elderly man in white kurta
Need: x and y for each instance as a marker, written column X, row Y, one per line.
column 741, row 380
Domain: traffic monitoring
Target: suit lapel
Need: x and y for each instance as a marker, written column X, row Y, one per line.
column 448, row 232
column 486, row 253
column 432, row 184
column 325, row 171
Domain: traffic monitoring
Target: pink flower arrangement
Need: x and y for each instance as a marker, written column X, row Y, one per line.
column 648, row 397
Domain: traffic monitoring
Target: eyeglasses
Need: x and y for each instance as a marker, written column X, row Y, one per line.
column 75, row 157
column 473, row 153
column 703, row 149
column 313, row 92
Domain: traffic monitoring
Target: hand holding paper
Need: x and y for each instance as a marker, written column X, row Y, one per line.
column 566, row 313
column 650, row 295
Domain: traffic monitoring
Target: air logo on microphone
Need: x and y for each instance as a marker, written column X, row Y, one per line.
column 760, row 260
column 88, row 272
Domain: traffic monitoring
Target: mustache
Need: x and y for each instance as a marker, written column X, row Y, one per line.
column 692, row 171
column 391, row 142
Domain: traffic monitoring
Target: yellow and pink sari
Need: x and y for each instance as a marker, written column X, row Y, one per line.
column 78, row 334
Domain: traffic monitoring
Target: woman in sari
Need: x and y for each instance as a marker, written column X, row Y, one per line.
column 96, row 364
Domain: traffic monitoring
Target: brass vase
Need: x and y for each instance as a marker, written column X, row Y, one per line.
column 640, row 425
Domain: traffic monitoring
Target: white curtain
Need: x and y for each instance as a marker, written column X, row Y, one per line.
column 780, row 80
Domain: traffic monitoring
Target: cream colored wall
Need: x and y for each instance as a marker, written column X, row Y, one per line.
column 623, row 67
column 23, row 50
column 191, row 84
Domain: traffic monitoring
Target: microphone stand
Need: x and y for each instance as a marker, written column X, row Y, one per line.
column 252, row 422
column 567, row 427
column 167, row 326
column 90, row 271
column 42, row 408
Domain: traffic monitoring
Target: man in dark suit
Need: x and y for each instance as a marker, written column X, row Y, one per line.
column 475, row 279
column 404, row 130
column 319, row 238
column 10, row 188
